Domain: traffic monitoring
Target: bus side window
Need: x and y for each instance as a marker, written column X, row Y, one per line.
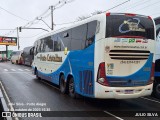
column 32, row 51
column 91, row 32
column 48, row 44
column 78, row 37
column 89, row 41
column 57, row 43
column 35, row 48
column 65, row 40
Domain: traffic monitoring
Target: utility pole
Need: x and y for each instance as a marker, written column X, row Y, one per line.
column 6, row 52
column 18, row 37
column 52, row 24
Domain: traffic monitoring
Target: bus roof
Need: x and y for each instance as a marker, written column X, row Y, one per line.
column 98, row 17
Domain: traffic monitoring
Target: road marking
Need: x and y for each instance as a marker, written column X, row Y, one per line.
column 26, row 69
column 16, row 70
column 13, row 72
column 20, row 69
column 13, row 69
column 150, row 100
column 113, row 115
column 5, row 70
column 8, row 100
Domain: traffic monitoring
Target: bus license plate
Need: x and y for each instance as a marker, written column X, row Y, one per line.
column 128, row 91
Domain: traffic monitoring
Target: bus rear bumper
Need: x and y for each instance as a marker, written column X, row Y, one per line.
column 104, row 92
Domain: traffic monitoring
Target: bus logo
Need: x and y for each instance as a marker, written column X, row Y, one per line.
column 145, row 41
column 107, row 49
column 138, row 41
column 110, row 66
column 117, row 40
column 124, row 40
column 133, row 25
column 131, row 40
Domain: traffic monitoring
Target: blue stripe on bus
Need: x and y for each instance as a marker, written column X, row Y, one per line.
column 157, row 74
column 82, row 71
column 139, row 78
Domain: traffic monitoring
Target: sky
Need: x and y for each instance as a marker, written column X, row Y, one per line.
column 17, row 13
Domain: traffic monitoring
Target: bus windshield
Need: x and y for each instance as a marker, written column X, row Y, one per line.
column 123, row 25
column 16, row 53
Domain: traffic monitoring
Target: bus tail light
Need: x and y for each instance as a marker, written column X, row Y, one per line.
column 101, row 76
column 149, row 17
column 151, row 79
column 108, row 14
column 129, row 14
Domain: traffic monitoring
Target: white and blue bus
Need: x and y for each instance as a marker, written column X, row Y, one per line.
column 108, row 56
column 156, row 85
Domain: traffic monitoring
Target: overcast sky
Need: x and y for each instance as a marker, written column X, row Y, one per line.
column 21, row 12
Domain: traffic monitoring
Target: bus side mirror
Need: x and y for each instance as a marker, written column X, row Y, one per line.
column 65, row 50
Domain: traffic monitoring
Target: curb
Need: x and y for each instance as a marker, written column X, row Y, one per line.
column 4, row 106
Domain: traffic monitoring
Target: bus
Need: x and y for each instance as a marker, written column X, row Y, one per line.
column 106, row 56
column 16, row 57
column 28, row 55
column 156, row 86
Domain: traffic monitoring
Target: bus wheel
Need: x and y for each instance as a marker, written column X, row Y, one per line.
column 37, row 75
column 62, row 84
column 157, row 90
column 72, row 92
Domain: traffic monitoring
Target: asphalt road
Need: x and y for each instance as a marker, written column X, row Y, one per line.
column 26, row 92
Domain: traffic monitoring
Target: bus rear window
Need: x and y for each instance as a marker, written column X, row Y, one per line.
column 120, row 25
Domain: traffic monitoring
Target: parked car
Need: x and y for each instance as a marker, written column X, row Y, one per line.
column 16, row 57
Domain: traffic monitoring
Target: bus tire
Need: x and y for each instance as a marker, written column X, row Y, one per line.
column 63, row 85
column 156, row 90
column 37, row 75
column 71, row 88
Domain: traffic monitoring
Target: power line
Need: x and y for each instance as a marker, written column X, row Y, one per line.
column 44, row 12
column 47, row 15
column 117, row 5
column 6, row 29
column 13, row 14
column 66, row 23
column 33, row 35
column 148, row 6
column 56, row 6
column 28, row 24
column 139, row 3
column 155, row 14
column 102, row 12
